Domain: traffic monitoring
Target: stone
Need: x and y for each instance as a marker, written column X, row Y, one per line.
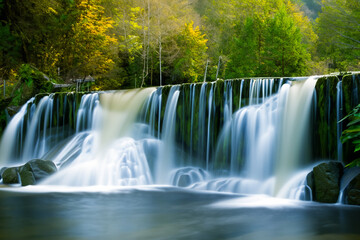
column 353, row 191
column 40, row 168
column 27, row 178
column 10, row 176
column 327, row 181
column 184, row 180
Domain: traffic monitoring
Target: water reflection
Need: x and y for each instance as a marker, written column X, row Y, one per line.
column 169, row 213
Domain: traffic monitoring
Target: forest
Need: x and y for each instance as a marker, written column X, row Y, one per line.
column 141, row 43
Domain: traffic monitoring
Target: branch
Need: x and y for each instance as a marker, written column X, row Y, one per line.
column 347, row 37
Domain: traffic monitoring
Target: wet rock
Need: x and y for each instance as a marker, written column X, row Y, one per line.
column 184, row 180
column 29, row 173
column 27, row 178
column 40, row 168
column 353, row 191
column 327, row 181
column 10, row 176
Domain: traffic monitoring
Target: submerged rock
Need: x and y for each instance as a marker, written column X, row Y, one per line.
column 326, row 187
column 353, row 191
column 184, row 180
column 10, row 175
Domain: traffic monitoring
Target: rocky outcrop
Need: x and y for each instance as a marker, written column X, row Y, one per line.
column 29, row 173
column 324, row 181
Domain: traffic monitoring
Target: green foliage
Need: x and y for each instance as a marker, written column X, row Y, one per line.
column 339, row 34
column 132, row 43
column 271, row 43
column 352, row 132
column 192, row 43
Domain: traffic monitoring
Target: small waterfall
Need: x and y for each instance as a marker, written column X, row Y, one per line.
column 192, row 94
column 339, row 116
column 11, row 146
column 295, row 130
column 88, row 105
column 210, row 115
column 202, row 123
column 166, row 160
column 110, row 154
column 37, row 140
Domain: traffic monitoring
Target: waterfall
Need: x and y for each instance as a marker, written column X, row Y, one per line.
column 110, row 153
column 295, row 131
column 339, row 116
column 242, row 136
column 11, row 145
column 167, row 152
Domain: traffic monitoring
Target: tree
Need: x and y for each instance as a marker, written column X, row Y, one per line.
column 192, row 55
column 286, row 55
column 273, row 40
column 90, row 47
column 338, row 27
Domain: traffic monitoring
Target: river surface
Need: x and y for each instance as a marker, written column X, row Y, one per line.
column 160, row 212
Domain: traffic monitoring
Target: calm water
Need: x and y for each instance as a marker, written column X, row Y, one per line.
column 167, row 213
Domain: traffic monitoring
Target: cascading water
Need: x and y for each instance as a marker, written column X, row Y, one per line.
column 165, row 162
column 239, row 136
column 11, row 145
column 295, row 133
column 109, row 154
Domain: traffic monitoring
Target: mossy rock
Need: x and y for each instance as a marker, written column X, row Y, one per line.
column 40, row 168
column 27, row 178
column 29, row 173
column 327, row 181
column 10, row 175
column 353, row 191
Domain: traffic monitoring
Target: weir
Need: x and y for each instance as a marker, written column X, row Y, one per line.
column 255, row 136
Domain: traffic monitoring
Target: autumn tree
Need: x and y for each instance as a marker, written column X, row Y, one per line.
column 189, row 64
column 89, row 49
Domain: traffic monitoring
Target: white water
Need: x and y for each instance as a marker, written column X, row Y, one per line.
column 112, row 147
column 109, row 153
column 13, row 136
column 293, row 149
column 167, row 157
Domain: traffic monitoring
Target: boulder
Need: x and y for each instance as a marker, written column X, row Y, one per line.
column 40, row 168
column 327, row 181
column 27, row 178
column 353, row 191
column 29, row 173
column 10, row 175
column 184, row 180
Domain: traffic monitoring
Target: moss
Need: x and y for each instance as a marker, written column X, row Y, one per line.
column 325, row 131
column 10, row 175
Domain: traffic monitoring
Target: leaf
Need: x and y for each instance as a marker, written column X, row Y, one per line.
column 355, row 163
